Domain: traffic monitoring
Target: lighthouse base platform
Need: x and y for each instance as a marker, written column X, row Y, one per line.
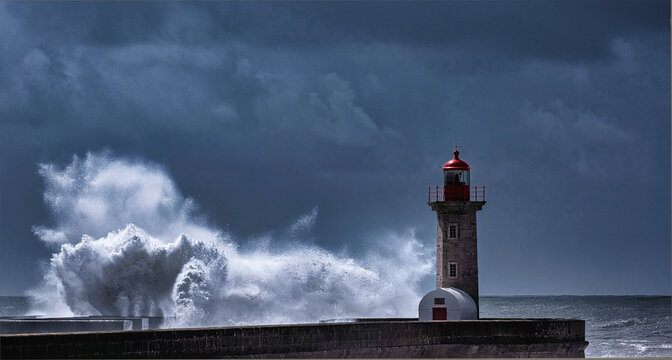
column 370, row 338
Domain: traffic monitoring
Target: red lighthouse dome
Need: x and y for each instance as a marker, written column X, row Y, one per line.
column 456, row 163
column 456, row 183
column 456, row 179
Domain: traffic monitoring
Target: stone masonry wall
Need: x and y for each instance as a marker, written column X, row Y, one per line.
column 478, row 338
column 462, row 250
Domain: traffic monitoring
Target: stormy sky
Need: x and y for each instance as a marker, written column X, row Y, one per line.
column 263, row 111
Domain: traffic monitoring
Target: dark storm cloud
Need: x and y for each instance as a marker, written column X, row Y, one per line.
column 568, row 30
column 111, row 24
column 260, row 111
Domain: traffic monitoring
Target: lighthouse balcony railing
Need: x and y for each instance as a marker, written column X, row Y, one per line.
column 477, row 193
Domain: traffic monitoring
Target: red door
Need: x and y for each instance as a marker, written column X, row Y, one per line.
column 439, row 314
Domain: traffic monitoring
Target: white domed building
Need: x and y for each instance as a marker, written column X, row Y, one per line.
column 447, row 304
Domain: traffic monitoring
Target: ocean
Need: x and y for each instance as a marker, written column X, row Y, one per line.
column 616, row 326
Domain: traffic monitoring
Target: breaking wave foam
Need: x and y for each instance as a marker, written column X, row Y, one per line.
column 128, row 243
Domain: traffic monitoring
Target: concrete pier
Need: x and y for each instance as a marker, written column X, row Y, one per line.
column 376, row 339
column 39, row 324
column 30, row 326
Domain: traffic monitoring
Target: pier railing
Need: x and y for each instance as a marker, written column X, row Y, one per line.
column 477, row 193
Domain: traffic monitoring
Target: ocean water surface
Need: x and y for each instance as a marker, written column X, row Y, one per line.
column 616, row 326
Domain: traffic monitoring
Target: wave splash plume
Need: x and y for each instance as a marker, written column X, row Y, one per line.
column 126, row 242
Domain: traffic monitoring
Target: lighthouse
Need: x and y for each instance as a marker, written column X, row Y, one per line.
column 456, row 204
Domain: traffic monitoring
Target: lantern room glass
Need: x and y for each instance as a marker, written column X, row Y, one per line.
column 456, row 177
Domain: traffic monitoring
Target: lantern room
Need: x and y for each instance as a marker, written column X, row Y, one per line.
column 456, row 179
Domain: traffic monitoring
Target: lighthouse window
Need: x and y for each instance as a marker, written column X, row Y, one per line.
column 439, row 301
column 456, row 177
column 452, row 270
column 452, row 231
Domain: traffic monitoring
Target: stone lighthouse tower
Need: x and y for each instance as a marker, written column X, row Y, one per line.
column 456, row 204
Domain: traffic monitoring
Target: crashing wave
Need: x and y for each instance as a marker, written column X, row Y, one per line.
column 198, row 276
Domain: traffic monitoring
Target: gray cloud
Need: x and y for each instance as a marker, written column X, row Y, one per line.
column 263, row 111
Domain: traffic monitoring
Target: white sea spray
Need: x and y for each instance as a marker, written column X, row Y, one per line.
column 126, row 242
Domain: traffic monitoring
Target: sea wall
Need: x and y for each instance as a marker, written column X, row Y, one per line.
column 33, row 324
column 14, row 326
column 385, row 339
